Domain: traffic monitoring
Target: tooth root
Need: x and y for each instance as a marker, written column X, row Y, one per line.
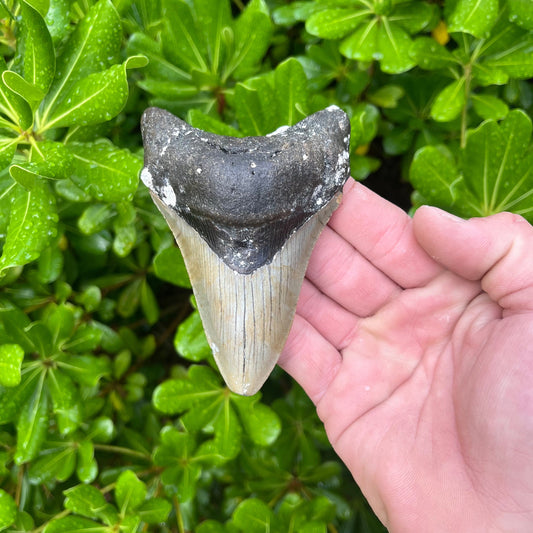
column 247, row 317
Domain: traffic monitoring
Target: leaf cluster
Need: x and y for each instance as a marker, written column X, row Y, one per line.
column 113, row 416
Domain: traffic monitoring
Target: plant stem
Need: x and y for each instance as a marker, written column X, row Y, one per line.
column 179, row 518
column 464, row 115
column 121, row 449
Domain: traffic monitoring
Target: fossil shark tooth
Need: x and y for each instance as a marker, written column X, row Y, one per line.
column 246, row 213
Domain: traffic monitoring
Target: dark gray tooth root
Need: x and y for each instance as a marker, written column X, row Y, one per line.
column 246, row 214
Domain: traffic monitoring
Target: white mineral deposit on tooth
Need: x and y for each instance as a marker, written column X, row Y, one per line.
column 246, row 214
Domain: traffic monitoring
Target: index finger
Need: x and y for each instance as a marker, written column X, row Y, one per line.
column 383, row 233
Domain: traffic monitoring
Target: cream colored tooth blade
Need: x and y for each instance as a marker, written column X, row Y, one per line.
column 247, row 317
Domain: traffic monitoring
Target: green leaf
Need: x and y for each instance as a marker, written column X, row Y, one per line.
column 108, row 173
column 521, row 13
column 434, row 174
column 249, row 111
column 95, row 218
column 13, row 399
column 489, row 107
column 149, row 303
column 253, row 32
column 96, row 98
column 291, row 92
column 86, row 338
column 169, row 266
column 335, row 23
column 8, row 147
column 92, row 47
column 474, row 16
column 154, row 510
column 213, row 18
column 8, row 510
column 11, row 356
column 253, row 516
column 39, row 55
column 449, row 102
column 84, row 500
column 176, row 455
column 12, row 105
column 261, row 423
column 65, row 400
column 362, row 44
column 74, row 524
column 130, row 492
column 86, row 369
column 32, row 425
column 497, row 165
column 53, row 464
column 176, row 395
column 31, row 93
column 393, row 48
column 430, row 55
column 181, row 41
column 200, row 120
column 386, row 96
column 130, row 298
column 31, row 227
column 87, row 467
column 190, row 340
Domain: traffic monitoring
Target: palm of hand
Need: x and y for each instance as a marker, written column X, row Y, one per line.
column 423, row 385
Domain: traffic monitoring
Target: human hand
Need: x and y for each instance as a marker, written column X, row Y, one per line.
column 414, row 338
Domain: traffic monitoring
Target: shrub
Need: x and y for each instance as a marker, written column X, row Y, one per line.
column 112, row 414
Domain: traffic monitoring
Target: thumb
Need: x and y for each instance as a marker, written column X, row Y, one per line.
column 496, row 250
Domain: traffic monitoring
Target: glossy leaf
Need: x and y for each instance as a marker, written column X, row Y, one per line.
column 362, row 44
column 65, row 400
column 32, row 425
column 98, row 97
column 12, row 399
column 71, row 524
column 431, row 55
column 489, row 107
column 53, row 464
column 335, row 23
column 169, row 266
column 39, row 55
column 190, row 340
column 11, row 356
column 154, row 510
column 8, row 509
column 450, row 102
column 393, row 44
column 521, row 13
column 108, row 173
column 260, row 422
column 435, row 175
column 86, row 369
column 497, row 165
column 92, row 47
column 253, row 31
column 253, row 516
column 174, row 396
column 85, row 500
column 474, row 17
column 31, row 227
column 130, row 492
column 291, row 92
column 87, row 468
column 176, row 454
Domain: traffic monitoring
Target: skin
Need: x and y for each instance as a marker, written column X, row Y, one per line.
column 414, row 339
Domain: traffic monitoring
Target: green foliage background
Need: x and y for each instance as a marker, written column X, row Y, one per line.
column 112, row 415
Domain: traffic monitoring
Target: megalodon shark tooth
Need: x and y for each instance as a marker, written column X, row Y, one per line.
column 246, row 213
